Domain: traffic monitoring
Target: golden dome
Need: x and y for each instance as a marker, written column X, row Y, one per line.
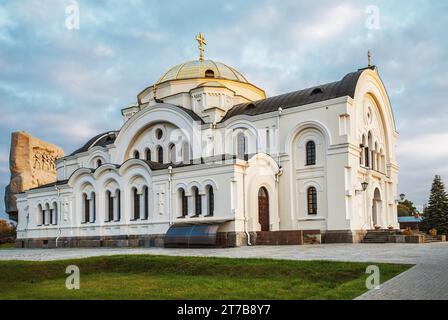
column 202, row 69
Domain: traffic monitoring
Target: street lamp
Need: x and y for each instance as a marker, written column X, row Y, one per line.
column 364, row 186
column 402, row 196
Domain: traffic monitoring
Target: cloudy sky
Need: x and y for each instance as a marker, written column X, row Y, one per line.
column 65, row 85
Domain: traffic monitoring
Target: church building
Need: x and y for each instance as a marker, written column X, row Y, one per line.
column 205, row 158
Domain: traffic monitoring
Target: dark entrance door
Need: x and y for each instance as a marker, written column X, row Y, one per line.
column 263, row 209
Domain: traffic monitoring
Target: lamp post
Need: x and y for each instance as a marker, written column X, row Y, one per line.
column 364, row 186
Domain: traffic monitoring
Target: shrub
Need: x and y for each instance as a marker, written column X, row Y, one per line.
column 7, row 232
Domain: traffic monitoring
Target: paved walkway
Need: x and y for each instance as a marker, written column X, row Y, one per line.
column 427, row 280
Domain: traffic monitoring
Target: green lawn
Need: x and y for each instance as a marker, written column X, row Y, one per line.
column 164, row 277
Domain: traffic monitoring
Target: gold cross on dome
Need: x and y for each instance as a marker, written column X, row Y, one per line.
column 369, row 59
column 202, row 43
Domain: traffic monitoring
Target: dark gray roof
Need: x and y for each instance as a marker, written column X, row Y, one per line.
column 52, row 184
column 192, row 114
column 344, row 87
column 102, row 140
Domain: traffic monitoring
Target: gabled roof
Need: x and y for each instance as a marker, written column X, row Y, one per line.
column 344, row 87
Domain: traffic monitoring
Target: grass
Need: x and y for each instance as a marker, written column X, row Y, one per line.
column 7, row 246
column 166, row 277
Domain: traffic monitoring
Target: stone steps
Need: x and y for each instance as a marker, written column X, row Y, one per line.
column 378, row 236
column 430, row 239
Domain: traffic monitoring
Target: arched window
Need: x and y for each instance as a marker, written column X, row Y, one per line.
column 159, row 154
column 148, row 154
column 136, row 154
column 241, row 145
column 197, row 202
column 118, row 196
column 136, row 204
column 263, row 209
column 99, row 163
column 172, row 149
column 310, row 153
column 312, row 200
column 183, row 203
column 210, row 201
column 109, row 206
column 86, row 208
column 40, row 215
column 159, row 134
column 146, row 204
column 54, row 213
column 368, row 151
column 209, row 73
column 92, row 216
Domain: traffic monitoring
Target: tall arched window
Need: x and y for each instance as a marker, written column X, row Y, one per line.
column 159, row 154
column 136, row 204
column 86, row 208
column 146, row 204
column 40, row 215
column 310, row 153
column 368, row 151
column 118, row 196
column 210, row 201
column 172, row 149
column 183, row 203
column 312, row 200
column 148, row 154
column 197, row 202
column 136, row 154
column 241, row 145
column 109, row 206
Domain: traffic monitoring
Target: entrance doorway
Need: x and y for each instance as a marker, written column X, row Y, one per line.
column 263, row 209
column 376, row 207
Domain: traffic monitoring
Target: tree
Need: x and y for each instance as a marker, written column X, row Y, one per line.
column 406, row 208
column 7, row 232
column 436, row 213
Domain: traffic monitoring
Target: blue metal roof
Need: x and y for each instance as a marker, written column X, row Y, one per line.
column 410, row 219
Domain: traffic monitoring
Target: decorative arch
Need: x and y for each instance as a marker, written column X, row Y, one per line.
column 370, row 84
column 151, row 115
column 289, row 141
column 233, row 129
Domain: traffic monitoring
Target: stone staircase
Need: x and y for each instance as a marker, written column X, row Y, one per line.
column 378, row 236
column 429, row 239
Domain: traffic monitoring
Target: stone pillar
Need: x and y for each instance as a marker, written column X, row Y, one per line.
column 47, row 217
column 92, row 210
column 115, row 197
column 190, row 200
column 141, row 198
column 204, row 204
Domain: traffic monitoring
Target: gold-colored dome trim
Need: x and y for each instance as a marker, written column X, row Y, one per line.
column 196, row 69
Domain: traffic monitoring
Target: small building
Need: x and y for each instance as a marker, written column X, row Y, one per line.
column 412, row 222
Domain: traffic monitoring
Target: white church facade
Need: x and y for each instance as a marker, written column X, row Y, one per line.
column 205, row 152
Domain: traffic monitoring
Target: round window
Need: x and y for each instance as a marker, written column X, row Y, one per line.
column 159, row 134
